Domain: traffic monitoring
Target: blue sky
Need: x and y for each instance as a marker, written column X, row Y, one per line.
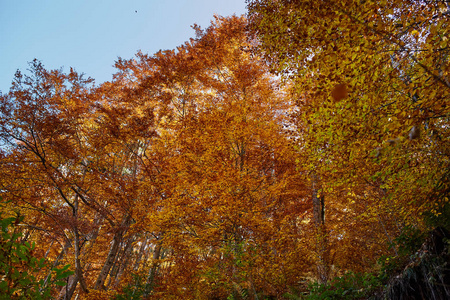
column 89, row 35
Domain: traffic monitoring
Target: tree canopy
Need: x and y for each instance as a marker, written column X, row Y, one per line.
column 297, row 144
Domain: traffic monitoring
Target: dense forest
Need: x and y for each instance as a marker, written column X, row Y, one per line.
column 298, row 152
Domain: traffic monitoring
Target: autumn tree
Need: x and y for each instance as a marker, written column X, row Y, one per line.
column 176, row 179
column 70, row 170
column 231, row 210
column 371, row 80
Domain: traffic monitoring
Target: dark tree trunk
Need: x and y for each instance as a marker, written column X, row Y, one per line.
column 318, row 202
column 112, row 255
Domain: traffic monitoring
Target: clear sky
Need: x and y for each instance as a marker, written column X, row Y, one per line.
column 89, row 35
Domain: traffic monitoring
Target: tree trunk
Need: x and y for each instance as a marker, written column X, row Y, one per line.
column 78, row 268
column 67, row 291
column 318, row 202
column 140, row 254
column 56, row 262
column 125, row 260
column 111, row 258
column 154, row 268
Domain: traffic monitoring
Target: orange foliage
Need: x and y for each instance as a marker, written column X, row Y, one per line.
column 198, row 174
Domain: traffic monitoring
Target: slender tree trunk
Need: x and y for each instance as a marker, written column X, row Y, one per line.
column 78, row 268
column 318, row 202
column 154, row 268
column 125, row 260
column 140, row 254
column 113, row 250
column 67, row 291
column 77, row 246
column 121, row 264
column 56, row 262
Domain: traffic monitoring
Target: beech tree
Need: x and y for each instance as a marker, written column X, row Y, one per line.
column 229, row 177
column 260, row 155
column 179, row 175
column 372, row 88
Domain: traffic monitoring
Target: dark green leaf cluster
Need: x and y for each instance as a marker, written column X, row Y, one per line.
column 349, row 286
column 136, row 289
column 19, row 269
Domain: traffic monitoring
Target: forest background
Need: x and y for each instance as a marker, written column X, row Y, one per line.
column 305, row 143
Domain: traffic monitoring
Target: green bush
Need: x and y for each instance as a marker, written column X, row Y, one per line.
column 349, row 286
column 19, row 268
column 135, row 290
